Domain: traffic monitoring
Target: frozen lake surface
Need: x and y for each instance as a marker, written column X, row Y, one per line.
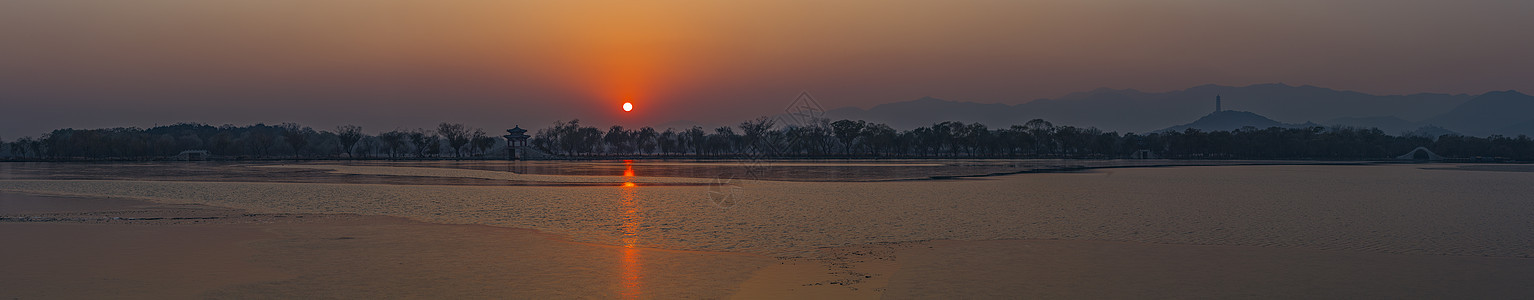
column 1438, row 209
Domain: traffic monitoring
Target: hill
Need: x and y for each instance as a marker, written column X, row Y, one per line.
column 1126, row 110
column 1525, row 128
column 1504, row 112
column 1388, row 124
column 1230, row 120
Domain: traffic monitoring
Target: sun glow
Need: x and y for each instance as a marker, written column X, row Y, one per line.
column 628, row 106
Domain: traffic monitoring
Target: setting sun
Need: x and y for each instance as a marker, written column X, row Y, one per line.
column 628, row 106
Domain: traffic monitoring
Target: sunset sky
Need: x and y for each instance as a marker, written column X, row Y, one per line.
column 387, row 64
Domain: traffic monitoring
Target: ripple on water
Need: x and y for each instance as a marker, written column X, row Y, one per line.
column 1395, row 209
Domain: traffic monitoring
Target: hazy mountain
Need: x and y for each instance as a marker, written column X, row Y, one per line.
column 1297, row 104
column 682, row 125
column 1525, row 128
column 1505, row 112
column 1388, row 124
column 1135, row 111
column 1230, row 120
column 1429, row 131
column 928, row 110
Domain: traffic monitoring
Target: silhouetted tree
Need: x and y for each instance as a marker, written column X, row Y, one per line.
column 295, row 136
column 618, row 140
column 394, row 141
column 480, row 142
column 755, row 135
column 425, row 143
column 646, row 140
column 762, row 136
column 696, row 139
column 847, row 131
column 669, row 142
column 457, row 135
column 349, row 135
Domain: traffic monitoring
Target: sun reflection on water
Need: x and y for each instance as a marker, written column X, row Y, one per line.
column 631, row 270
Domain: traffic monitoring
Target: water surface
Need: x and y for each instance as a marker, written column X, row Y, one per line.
column 1379, row 208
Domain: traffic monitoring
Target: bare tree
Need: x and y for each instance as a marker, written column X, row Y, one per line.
column 394, row 140
column 349, row 135
column 754, row 134
column 646, row 139
column 481, row 142
column 423, row 141
column 847, row 131
column 618, row 140
column 296, row 136
column 477, row 141
column 457, row 135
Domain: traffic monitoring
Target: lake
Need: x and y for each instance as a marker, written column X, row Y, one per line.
column 797, row 210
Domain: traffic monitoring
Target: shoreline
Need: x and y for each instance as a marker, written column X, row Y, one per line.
column 308, row 171
column 1492, row 160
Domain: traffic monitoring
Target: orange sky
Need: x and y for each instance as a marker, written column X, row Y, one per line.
column 496, row 63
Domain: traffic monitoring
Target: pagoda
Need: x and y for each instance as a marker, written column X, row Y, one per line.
column 516, row 138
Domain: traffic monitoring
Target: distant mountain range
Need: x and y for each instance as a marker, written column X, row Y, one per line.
column 1505, row 112
column 1262, row 105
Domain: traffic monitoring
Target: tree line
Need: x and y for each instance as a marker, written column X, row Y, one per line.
column 762, row 137
column 259, row 141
